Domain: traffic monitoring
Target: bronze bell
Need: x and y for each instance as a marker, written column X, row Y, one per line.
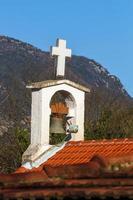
column 57, row 125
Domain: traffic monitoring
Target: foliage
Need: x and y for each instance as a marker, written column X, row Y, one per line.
column 112, row 123
column 56, row 138
column 12, row 145
column 22, row 138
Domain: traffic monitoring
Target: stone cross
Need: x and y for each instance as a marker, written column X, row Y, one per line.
column 61, row 52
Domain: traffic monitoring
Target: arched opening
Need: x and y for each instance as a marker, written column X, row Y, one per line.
column 63, row 107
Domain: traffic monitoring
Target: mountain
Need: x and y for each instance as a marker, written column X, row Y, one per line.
column 22, row 63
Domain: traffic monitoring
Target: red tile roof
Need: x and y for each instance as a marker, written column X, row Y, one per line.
column 78, row 170
column 83, row 151
column 36, row 185
column 108, row 152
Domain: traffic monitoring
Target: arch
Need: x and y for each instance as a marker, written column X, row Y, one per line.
column 67, row 98
column 63, row 108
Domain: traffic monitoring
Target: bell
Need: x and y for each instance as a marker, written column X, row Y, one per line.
column 57, row 125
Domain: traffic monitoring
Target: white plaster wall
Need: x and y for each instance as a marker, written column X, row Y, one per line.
column 80, row 100
column 41, row 112
column 39, row 117
column 35, row 117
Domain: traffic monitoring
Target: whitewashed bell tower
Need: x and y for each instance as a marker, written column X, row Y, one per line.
column 42, row 93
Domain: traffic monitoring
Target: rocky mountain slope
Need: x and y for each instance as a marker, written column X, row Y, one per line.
column 21, row 63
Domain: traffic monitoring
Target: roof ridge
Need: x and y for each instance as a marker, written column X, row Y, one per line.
column 104, row 141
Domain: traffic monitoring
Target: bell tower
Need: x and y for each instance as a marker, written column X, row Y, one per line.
column 52, row 101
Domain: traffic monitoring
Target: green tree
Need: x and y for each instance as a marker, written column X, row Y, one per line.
column 15, row 143
column 112, row 123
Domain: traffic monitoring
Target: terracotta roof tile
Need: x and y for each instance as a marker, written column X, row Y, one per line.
column 82, row 151
column 78, row 170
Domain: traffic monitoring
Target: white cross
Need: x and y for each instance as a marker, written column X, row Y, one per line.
column 61, row 52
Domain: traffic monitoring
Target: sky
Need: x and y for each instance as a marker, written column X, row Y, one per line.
column 98, row 29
